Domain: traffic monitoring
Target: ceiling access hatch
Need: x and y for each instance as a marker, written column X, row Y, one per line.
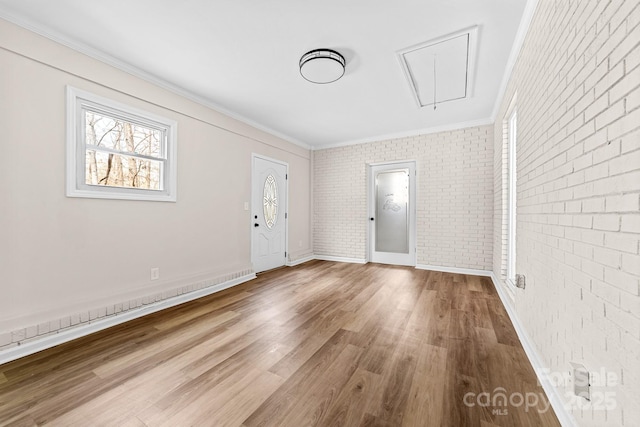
column 441, row 69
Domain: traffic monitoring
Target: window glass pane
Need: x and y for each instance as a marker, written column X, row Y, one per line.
column 114, row 170
column 511, row 232
column 117, row 134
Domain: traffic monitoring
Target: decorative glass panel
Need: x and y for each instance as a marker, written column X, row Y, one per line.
column 270, row 201
column 392, row 213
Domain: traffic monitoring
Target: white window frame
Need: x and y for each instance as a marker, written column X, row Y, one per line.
column 512, row 138
column 78, row 101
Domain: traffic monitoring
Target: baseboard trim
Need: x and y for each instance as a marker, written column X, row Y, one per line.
column 300, row 261
column 70, row 334
column 469, row 271
column 341, row 259
column 555, row 398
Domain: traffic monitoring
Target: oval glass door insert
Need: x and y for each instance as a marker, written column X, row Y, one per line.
column 270, row 201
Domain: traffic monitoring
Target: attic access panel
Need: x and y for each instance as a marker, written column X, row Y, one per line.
column 441, row 69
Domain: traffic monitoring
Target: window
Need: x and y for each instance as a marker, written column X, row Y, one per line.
column 512, row 129
column 118, row 152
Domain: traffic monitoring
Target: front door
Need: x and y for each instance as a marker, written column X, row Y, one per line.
column 392, row 213
column 268, row 213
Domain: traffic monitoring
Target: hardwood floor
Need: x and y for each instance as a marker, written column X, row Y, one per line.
column 323, row 343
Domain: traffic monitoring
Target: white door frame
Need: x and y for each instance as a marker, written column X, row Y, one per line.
column 371, row 207
column 251, row 207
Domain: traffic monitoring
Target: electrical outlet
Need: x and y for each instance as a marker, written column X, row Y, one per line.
column 246, row 206
column 155, row 273
column 520, row 281
column 581, row 382
column 300, row 244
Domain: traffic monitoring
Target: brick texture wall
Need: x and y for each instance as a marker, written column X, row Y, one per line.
column 454, row 192
column 577, row 90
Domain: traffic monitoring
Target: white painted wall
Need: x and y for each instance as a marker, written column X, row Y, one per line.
column 454, row 191
column 578, row 228
column 66, row 260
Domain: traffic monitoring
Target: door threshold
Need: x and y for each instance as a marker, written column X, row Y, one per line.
column 271, row 270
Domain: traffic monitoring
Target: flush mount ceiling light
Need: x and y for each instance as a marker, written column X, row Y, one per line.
column 322, row 66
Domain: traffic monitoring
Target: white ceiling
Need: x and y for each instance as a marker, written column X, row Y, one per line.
column 242, row 56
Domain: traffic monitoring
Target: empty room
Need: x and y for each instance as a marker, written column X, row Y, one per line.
column 336, row 213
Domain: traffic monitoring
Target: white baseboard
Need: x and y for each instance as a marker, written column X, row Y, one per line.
column 469, row 271
column 340, row 259
column 300, row 261
column 555, row 398
column 66, row 335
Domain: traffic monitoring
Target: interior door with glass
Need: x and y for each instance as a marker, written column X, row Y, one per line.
column 268, row 214
column 392, row 213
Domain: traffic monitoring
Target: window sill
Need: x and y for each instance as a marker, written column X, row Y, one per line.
column 121, row 195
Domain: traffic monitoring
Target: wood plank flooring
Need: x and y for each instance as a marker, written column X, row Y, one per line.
column 326, row 344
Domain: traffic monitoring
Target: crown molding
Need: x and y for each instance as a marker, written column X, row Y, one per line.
column 407, row 134
column 144, row 75
column 516, row 48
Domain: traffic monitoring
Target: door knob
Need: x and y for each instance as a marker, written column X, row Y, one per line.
column 256, row 225
column 371, row 218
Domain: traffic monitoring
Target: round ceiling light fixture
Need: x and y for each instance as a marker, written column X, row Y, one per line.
column 322, row 66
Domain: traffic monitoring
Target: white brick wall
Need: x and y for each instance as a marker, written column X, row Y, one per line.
column 454, row 190
column 578, row 228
